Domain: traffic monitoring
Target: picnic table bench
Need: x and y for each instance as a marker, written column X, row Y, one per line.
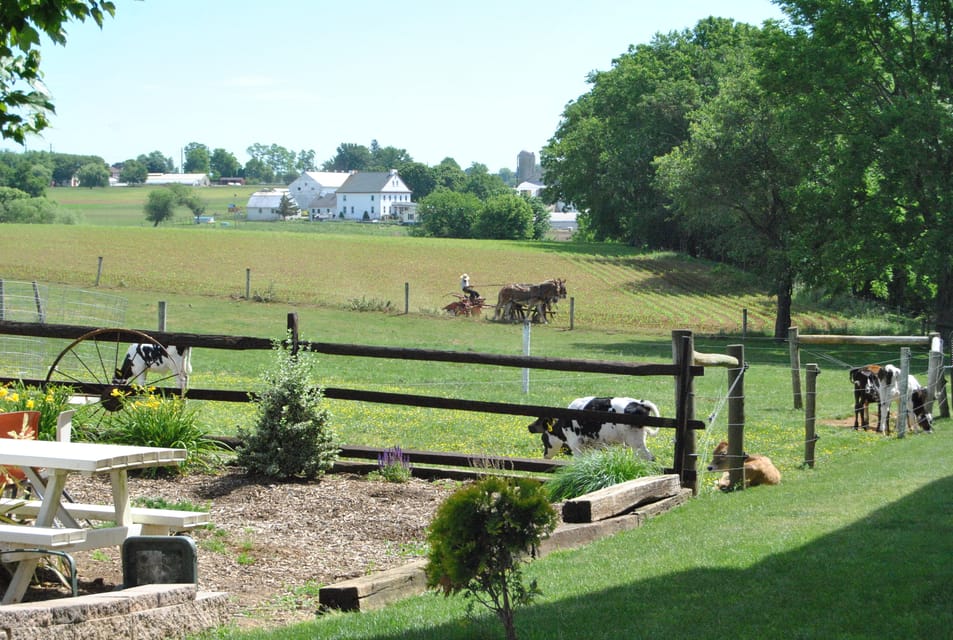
column 153, row 522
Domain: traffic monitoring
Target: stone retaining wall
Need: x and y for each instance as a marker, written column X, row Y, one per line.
column 147, row 612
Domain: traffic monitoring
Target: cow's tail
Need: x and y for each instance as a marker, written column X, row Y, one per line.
column 654, row 412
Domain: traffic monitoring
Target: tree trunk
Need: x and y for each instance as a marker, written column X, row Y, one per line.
column 944, row 303
column 785, row 292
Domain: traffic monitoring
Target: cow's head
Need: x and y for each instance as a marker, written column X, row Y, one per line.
column 919, row 400
column 123, row 374
column 552, row 436
column 720, row 460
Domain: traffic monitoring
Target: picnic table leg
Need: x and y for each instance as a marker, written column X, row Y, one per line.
column 48, row 509
column 120, row 485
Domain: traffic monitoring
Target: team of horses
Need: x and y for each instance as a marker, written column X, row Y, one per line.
column 519, row 302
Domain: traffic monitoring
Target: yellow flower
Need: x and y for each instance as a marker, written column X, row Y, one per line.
column 3, row 392
column 29, row 403
column 15, row 397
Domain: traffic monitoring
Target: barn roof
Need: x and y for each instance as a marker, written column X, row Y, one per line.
column 366, row 182
column 329, row 179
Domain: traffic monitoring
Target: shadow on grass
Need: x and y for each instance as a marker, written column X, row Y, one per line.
column 889, row 575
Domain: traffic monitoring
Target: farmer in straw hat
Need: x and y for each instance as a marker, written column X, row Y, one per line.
column 467, row 289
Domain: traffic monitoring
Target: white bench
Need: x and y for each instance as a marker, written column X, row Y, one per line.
column 153, row 521
column 40, row 537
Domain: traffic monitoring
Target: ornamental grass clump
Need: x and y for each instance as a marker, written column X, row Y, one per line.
column 597, row 469
column 148, row 419
column 481, row 536
column 293, row 437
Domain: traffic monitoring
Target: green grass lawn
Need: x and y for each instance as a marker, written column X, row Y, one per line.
column 857, row 548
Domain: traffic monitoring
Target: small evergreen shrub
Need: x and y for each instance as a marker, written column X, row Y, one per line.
column 293, row 436
column 597, row 469
column 480, row 537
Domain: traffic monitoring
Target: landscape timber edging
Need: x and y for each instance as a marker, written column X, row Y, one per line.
column 366, row 593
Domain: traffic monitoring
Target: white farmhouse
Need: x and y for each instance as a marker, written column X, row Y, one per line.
column 265, row 205
column 372, row 196
column 314, row 184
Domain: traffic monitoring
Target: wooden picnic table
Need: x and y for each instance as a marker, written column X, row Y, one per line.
column 59, row 460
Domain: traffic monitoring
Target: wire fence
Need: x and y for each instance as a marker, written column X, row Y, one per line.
column 54, row 304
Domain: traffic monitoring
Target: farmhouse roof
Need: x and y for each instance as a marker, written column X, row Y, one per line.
column 367, row 182
column 266, row 199
column 329, row 179
column 328, row 201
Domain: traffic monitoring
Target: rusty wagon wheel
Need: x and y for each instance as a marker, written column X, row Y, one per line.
column 89, row 365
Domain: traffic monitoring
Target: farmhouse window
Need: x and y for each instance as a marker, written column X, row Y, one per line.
column 372, row 197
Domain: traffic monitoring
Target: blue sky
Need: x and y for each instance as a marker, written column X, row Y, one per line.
column 475, row 81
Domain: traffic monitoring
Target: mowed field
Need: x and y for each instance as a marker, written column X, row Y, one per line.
column 329, row 264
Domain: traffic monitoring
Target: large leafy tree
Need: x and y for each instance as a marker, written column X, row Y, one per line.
column 601, row 156
column 196, row 158
column 133, row 172
column 24, row 101
column 874, row 87
column 155, row 162
column 224, row 164
column 349, row 157
column 93, row 174
column 507, row 216
column 447, row 214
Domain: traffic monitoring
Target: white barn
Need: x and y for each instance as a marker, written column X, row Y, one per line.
column 188, row 179
column 372, row 196
column 312, row 184
column 265, row 205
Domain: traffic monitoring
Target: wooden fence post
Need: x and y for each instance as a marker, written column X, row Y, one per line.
column 99, row 270
column 572, row 313
column 904, row 390
column 526, row 338
column 406, row 298
column 683, row 348
column 810, row 414
column 161, row 315
column 935, row 377
column 795, row 366
column 2, row 312
column 736, row 414
column 293, row 330
column 40, row 313
column 248, row 284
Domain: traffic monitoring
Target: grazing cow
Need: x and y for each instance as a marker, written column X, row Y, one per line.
column 758, row 469
column 141, row 358
column 866, row 392
column 917, row 396
column 576, row 435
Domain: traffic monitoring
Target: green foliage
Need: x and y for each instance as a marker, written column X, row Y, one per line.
column 26, row 103
column 597, row 469
column 373, row 304
column 133, row 172
column 505, row 217
column 447, row 214
column 293, row 435
column 151, row 420
column 160, row 206
column 93, row 174
column 480, row 537
column 16, row 396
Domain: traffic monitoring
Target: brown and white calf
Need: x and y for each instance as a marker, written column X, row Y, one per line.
column 143, row 357
column 577, row 435
column 889, row 377
column 866, row 392
column 758, row 469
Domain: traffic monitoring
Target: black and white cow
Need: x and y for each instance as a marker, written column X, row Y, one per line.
column 577, row 435
column 889, row 391
column 866, row 392
column 141, row 358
